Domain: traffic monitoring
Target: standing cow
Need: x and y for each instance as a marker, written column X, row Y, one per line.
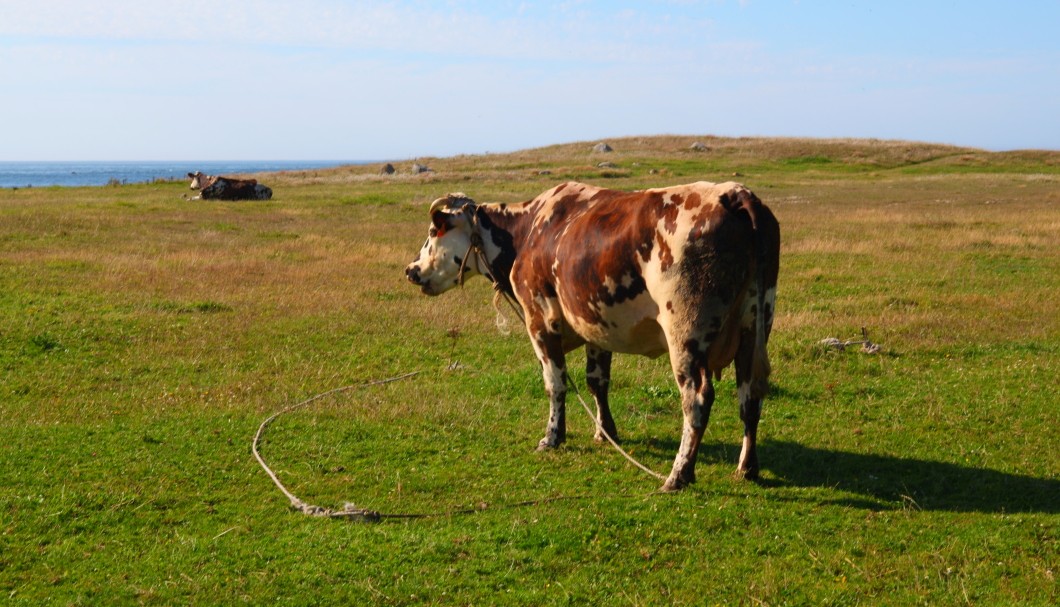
column 212, row 187
column 688, row 270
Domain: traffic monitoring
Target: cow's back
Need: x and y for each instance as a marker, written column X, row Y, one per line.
column 228, row 188
column 628, row 269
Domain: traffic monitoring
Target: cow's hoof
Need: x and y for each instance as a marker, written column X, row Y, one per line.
column 671, row 486
column 750, row 474
column 676, row 483
column 600, row 437
column 547, row 445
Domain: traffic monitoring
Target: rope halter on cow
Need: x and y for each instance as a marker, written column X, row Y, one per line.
column 458, row 201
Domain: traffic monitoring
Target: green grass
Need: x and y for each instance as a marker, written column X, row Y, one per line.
column 144, row 337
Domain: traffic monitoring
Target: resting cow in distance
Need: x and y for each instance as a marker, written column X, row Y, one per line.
column 212, row 187
column 688, row 270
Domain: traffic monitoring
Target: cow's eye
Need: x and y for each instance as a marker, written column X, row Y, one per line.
column 433, row 232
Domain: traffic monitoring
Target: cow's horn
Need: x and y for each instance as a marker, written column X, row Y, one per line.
column 455, row 200
column 438, row 204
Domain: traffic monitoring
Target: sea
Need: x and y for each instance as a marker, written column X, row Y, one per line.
column 24, row 174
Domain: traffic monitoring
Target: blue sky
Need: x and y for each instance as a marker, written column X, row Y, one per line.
column 330, row 79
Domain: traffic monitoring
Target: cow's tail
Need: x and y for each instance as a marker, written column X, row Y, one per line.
column 766, row 234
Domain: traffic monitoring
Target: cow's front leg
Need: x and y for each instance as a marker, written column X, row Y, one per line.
column 554, row 371
column 598, row 379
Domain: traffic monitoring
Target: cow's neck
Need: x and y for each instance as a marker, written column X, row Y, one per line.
column 503, row 233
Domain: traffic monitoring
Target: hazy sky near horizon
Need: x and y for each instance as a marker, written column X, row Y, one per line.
column 391, row 80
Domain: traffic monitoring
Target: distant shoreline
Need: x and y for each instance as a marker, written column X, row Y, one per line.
column 43, row 174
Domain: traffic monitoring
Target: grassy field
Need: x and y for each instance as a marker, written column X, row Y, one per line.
column 144, row 338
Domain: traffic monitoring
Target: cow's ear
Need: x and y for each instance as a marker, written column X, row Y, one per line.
column 192, row 175
column 441, row 221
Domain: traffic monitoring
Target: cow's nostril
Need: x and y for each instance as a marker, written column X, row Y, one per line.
column 413, row 274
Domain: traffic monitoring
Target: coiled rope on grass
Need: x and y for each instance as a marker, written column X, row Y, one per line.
column 351, row 511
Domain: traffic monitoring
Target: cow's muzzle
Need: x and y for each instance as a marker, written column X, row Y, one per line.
column 413, row 274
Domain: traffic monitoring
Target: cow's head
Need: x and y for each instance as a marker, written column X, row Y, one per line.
column 198, row 180
column 438, row 266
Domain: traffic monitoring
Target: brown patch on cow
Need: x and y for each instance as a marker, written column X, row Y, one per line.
column 666, row 256
column 669, row 218
column 610, row 228
column 645, row 252
column 701, row 223
column 694, row 200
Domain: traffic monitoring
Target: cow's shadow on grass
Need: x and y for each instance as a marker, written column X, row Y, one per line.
column 886, row 482
column 881, row 482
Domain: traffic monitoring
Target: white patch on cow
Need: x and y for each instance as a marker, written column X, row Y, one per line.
column 632, row 327
column 771, row 301
column 437, row 266
column 551, row 199
column 745, row 451
column 553, row 376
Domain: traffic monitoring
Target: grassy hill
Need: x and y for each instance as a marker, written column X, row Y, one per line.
column 144, row 338
column 648, row 157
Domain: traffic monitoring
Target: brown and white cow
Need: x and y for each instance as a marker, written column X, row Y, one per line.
column 212, row 187
column 689, row 270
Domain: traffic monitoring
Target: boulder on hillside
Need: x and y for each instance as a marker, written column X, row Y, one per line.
column 699, row 146
column 418, row 168
column 388, row 169
column 602, row 148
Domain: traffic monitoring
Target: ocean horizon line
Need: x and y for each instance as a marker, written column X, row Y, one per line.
column 181, row 160
column 83, row 173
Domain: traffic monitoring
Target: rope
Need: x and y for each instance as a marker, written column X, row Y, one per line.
column 349, row 510
column 614, row 443
column 867, row 346
column 352, row 512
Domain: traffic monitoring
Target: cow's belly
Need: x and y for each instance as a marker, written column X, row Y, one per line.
column 630, row 328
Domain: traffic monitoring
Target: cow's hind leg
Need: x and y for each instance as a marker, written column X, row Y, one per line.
column 752, row 376
column 750, row 407
column 598, row 379
column 697, row 398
